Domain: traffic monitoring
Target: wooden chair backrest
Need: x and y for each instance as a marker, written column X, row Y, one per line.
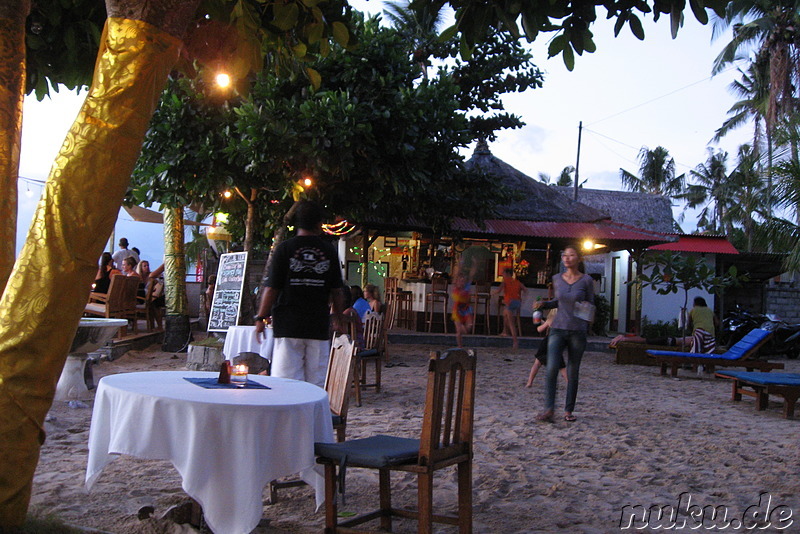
column 449, row 406
column 373, row 331
column 131, row 291
column 117, row 295
column 483, row 288
column 439, row 284
column 390, row 286
column 341, row 367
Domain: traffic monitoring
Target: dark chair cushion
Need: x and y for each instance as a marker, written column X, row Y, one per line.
column 369, row 353
column 375, row 451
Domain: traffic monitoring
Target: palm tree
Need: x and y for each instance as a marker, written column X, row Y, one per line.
column 769, row 29
column 418, row 23
column 711, row 190
column 749, row 194
column 767, row 32
column 753, row 90
column 656, row 174
column 564, row 179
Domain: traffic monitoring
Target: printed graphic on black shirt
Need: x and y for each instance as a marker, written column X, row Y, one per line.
column 308, row 260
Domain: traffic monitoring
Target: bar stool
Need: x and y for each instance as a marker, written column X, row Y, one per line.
column 405, row 313
column 390, row 295
column 438, row 294
column 482, row 298
column 500, row 307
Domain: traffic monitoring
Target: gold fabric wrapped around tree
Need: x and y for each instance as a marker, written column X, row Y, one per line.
column 48, row 288
column 12, row 92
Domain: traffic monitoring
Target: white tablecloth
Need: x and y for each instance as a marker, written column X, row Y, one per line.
column 227, row 444
column 243, row 339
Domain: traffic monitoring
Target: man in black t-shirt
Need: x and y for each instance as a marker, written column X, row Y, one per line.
column 304, row 280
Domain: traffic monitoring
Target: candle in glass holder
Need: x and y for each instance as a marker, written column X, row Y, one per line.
column 239, row 374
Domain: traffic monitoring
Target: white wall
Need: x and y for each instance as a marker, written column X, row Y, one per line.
column 667, row 307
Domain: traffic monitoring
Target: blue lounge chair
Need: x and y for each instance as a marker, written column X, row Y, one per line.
column 739, row 355
column 762, row 385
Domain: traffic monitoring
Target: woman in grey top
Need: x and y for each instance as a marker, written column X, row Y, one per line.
column 567, row 331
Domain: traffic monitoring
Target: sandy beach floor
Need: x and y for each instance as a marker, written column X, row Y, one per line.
column 640, row 439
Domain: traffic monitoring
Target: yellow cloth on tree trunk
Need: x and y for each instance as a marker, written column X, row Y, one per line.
column 48, row 288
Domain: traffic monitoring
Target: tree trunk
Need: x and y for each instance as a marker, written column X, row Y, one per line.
column 176, row 329
column 365, row 242
column 78, row 209
column 12, row 91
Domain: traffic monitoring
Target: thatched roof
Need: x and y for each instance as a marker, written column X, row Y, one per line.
column 540, row 202
column 641, row 210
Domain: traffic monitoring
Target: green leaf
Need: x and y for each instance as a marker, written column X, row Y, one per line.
column 314, row 77
column 556, row 45
column 699, row 10
column 285, row 16
column 569, row 58
column 636, row 27
column 314, row 31
column 299, row 50
column 340, row 33
column 448, row 34
column 620, row 23
column 676, row 18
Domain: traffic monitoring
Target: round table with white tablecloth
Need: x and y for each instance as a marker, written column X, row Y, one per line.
column 240, row 339
column 227, row 444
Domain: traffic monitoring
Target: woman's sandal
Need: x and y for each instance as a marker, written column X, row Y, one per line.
column 569, row 418
column 545, row 417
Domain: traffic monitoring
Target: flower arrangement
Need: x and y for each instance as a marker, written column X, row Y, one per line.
column 521, row 268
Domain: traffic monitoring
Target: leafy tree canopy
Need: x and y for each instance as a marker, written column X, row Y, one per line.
column 63, row 35
column 376, row 144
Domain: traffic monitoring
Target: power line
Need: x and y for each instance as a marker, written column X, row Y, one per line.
column 630, row 146
column 637, row 106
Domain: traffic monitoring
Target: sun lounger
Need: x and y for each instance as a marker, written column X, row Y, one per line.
column 762, row 385
column 739, row 355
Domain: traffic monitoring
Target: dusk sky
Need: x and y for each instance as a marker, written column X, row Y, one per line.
column 628, row 94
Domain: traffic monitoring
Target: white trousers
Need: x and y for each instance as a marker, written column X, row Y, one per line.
column 301, row 359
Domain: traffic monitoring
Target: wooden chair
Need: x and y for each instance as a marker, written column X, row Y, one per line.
column 146, row 308
column 118, row 303
column 341, row 367
column 438, row 294
column 374, row 351
column 445, row 440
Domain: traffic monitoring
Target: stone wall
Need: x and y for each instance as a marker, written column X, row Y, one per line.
column 783, row 299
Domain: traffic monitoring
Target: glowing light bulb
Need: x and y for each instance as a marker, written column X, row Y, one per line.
column 223, row 80
column 307, row 182
column 588, row 245
column 227, row 194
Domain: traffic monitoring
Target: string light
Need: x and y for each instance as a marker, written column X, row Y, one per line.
column 227, row 193
column 339, row 228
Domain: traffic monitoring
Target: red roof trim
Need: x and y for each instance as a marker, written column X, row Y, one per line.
column 565, row 230
column 699, row 243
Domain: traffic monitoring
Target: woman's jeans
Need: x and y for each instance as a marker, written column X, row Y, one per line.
column 575, row 342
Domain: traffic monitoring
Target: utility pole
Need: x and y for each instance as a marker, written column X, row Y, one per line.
column 578, row 160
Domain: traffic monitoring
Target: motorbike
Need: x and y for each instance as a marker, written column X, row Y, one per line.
column 785, row 339
column 737, row 323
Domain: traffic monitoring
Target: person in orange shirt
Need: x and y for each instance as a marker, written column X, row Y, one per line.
column 512, row 290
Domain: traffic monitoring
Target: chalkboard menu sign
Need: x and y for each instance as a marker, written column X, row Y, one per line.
column 227, row 292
